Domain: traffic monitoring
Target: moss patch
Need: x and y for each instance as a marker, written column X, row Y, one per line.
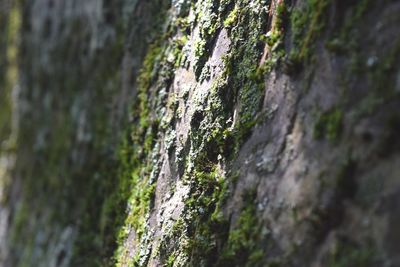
column 329, row 125
column 307, row 24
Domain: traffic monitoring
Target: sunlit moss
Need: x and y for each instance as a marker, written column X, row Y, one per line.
column 232, row 18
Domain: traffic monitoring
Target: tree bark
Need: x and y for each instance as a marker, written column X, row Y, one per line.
column 199, row 133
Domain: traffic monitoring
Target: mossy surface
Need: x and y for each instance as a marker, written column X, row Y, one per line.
column 9, row 44
column 137, row 155
column 346, row 254
column 248, row 242
column 204, row 228
column 113, row 193
column 307, row 23
column 329, row 125
column 66, row 145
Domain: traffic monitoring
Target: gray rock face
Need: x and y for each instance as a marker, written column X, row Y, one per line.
column 203, row 133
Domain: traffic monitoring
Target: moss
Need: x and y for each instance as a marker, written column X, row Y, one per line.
column 243, row 247
column 383, row 76
column 207, row 224
column 170, row 260
column 232, row 18
column 203, row 226
column 307, row 24
column 329, row 125
column 373, row 70
column 82, row 173
column 209, row 23
column 345, row 39
column 21, row 217
column 11, row 24
column 214, row 139
column 178, row 53
column 346, row 254
column 275, row 43
column 197, row 238
column 137, row 153
column 345, row 180
column 275, row 35
column 141, row 170
column 377, row 72
column 137, row 159
column 246, row 78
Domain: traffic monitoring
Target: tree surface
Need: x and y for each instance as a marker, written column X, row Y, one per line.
column 200, row 133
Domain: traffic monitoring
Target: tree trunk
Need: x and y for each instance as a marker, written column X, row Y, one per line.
column 199, row 133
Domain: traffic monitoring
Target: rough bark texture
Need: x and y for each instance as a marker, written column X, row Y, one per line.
column 200, row 133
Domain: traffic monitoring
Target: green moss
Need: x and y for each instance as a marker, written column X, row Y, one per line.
column 329, row 125
column 232, row 18
column 178, row 53
column 20, row 219
column 201, row 53
column 383, row 76
column 170, row 260
column 381, row 80
column 197, row 238
column 346, row 254
column 209, row 23
column 9, row 46
column 93, row 195
column 275, row 42
column 203, row 225
column 276, row 34
column 307, row 24
column 345, row 180
column 163, row 57
column 246, row 78
column 376, row 71
column 213, row 139
column 10, row 24
column 207, row 224
column 345, row 40
column 243, row 247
